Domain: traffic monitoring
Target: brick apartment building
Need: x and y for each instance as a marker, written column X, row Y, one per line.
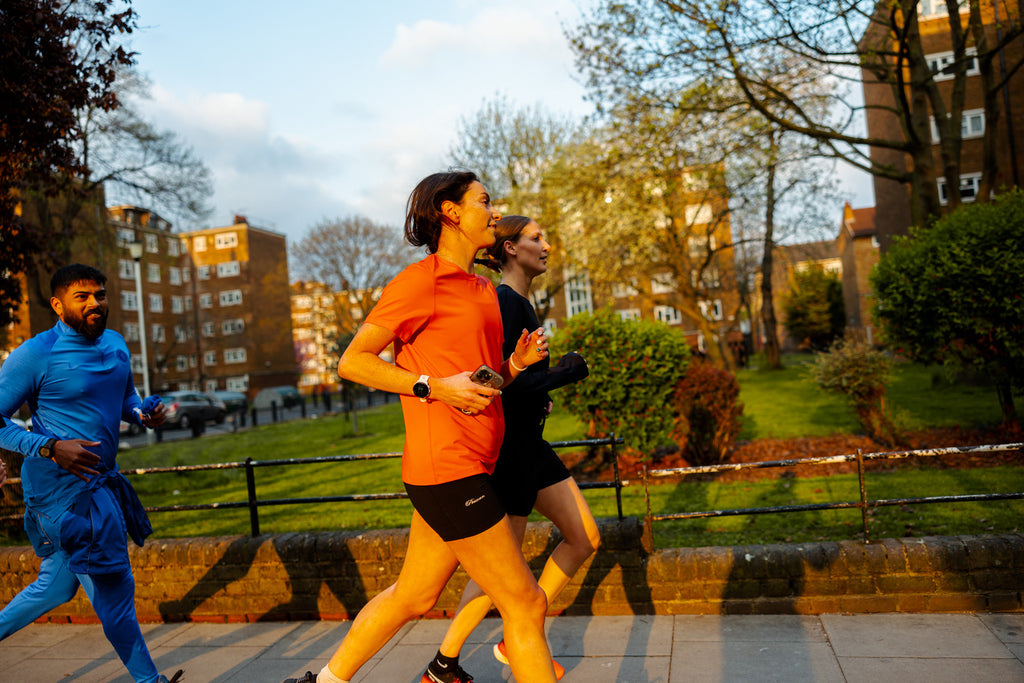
column 892, row 199
column 215, row 302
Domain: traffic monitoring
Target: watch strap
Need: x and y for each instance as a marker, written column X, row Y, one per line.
column 46, row 450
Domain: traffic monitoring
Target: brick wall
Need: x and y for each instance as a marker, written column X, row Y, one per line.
column 331, row 575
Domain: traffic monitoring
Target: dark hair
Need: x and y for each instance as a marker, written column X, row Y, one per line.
column 423, row 217
column 72, row 273
column 508, row 229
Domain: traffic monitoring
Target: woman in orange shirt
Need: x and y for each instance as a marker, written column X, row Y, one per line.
column 445, row 323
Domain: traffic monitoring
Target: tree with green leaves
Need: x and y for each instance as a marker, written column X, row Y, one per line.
column 634, row 368
column 954, row 294
column 798, row 65
column 814, row 307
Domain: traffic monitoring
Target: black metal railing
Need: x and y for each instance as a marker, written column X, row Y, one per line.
column 864, row 504
column 254, row 503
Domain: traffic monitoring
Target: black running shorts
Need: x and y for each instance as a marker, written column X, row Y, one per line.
column 458, row 509
column 522, row 470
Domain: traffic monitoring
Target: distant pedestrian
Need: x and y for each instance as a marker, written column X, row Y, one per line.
column 77, row 380
column 445, row 323
column 528, row 475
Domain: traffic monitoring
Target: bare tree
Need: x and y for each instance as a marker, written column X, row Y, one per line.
column 355, row 257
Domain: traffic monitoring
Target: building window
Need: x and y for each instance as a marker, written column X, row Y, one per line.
column 234, row 356
column 233, row 326
column 125, row 269
column 577, row 294
column 156, row 303
column 158, row 333
column 226, row 240
column 698, row 214
column 137, row 364
column 186, row 275
column 238, row 383
column 629, row 313
column 191, row 360
column 663, row 283
column 131, row 331
column 125, row 236
column 668, row 314
column 970, row 183
column 173, row 247
column 177, row 305
column 929, row 9
column 180, row 334
column 228, row 269
column 972, row 125
column 129, row 302
column 203, row 272
column 188, row 303
column 623, row 290
column 153, row 272
column 152, row 244
column 209, row 330
column 210, row 358
column 206, row 300
column 941, row 64
column 231, row 297
column 199, row 243
column 712, row 310
column 174, row 274
column 182, row 362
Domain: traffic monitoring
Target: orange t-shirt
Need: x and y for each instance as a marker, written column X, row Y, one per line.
column 446, row 321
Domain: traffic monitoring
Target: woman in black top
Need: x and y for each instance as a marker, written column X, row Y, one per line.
column 528, row 474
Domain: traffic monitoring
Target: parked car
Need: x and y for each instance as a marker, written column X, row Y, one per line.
column 186, row 408
column 130, row 428
column 234, row 401
column 285, row 396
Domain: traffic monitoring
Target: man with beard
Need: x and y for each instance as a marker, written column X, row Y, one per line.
column 77, row 381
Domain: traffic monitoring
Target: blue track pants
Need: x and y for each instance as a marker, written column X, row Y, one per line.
column 111, row 595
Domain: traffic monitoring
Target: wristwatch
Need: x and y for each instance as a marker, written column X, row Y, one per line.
column 422, row 388
column 46, row 450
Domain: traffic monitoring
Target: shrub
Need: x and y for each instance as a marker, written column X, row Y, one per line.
column 860, row 373
column 707, row 414
column 634, row 368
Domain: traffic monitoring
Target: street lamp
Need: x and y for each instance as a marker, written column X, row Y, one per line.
column 135, row 249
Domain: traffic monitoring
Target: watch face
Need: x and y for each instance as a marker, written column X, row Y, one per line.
column 421, row 389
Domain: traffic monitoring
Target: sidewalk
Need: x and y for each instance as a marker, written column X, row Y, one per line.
column 861, row 648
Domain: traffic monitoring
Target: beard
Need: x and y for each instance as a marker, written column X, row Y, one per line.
column 88, row 325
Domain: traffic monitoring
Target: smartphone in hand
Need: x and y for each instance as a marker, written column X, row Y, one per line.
column 487, row 377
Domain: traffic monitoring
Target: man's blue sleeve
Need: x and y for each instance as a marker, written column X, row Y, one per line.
column 19, row 381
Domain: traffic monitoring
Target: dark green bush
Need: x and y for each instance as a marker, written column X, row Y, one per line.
column 707, row 414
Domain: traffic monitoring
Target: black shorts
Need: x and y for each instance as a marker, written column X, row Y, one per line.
column 522, row 470
column 458, row 509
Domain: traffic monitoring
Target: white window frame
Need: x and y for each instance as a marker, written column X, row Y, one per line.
column 670, row 315
column 152, row 243
column 153, row 272
column 210, row 358
column 203, row 272
column 129, row 302
column 199, row 243
column 126, row 268
column 235, row 355
column 970, row 119
column 206, row 300
column 629, row 313
column 232, row 326
column 578, row 297
column 156, row 303
column 238, row 383
column 174, row 274
column 228, row 269
column 158, row 333
column 225, row 240
column 131, row 331
column 938, row 61
column 968, row 181
column 177, row 304
column 209, row 329
column 231, row 297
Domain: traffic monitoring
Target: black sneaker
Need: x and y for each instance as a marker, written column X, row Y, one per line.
column 455, row 675
column 173, row 679
column 310, row 677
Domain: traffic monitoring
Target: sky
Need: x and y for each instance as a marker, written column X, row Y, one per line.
column 317, row 109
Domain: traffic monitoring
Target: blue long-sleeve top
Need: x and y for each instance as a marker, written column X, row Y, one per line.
column 76, row 388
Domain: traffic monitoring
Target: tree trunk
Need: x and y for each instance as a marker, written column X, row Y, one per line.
column 772, row 356
column 1004, row 390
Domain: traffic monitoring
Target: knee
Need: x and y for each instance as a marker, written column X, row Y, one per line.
column 584, row 544
column 412, row 604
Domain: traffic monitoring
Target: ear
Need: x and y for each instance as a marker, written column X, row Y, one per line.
column 510, row 247
column 450, row 210
column 57, row 306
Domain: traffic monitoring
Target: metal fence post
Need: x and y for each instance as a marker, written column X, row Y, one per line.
column 250, row 484
column 863, row 495
column 618, row 479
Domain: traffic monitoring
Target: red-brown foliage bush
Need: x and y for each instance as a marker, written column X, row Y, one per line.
column 708, row 410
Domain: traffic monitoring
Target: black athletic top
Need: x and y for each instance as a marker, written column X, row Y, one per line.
column 526, row 399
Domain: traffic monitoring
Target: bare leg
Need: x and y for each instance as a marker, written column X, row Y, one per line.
column 429, row 563
column 565, row 506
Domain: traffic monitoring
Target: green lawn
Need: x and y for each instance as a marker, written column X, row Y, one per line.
column 778, row 404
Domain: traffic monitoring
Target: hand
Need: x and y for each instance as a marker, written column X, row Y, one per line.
column 459, row 391
column 531, row 347
column 155, row 417
column 550, row 407
column 75, row 458
column 3, row 472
